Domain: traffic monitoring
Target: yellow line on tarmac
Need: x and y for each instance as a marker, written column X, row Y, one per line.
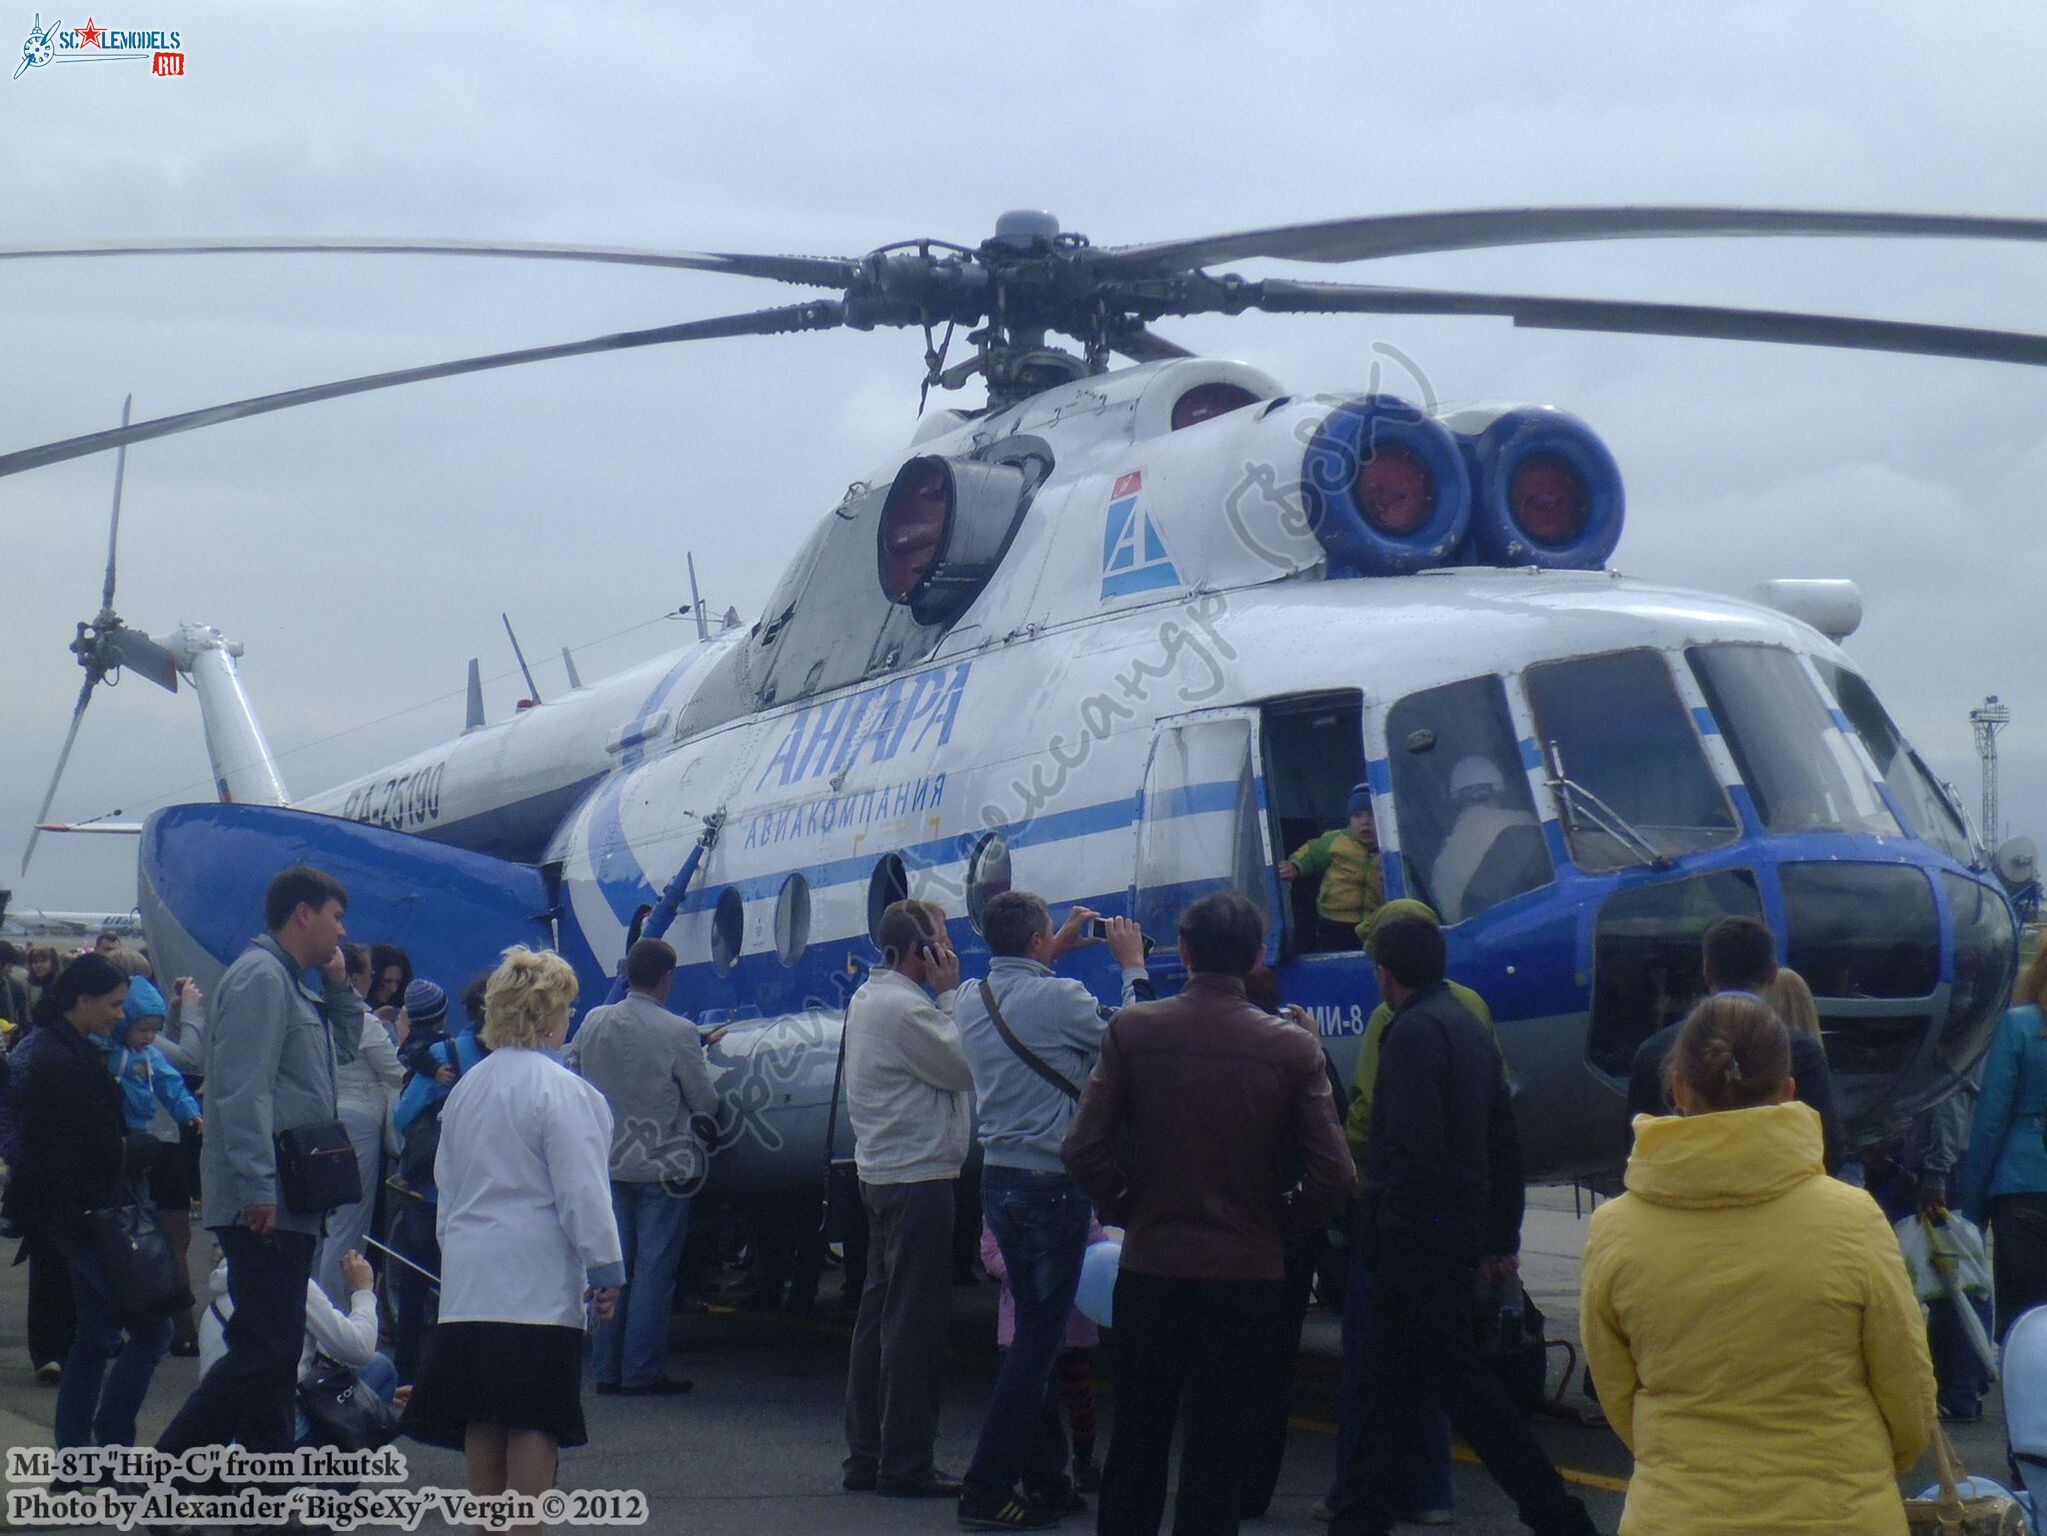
column 1599, row 1480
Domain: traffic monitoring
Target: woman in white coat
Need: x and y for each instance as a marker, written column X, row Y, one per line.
column 527, row 1237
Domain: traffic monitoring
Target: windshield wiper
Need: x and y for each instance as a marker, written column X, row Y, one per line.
column 1602, row 816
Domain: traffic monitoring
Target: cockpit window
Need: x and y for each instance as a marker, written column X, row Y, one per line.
column 1468, row 830
column 1798, row 768
column 1932, row 818
column 1615, row 728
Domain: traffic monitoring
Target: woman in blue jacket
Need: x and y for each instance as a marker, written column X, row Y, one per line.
column 2005, row 1177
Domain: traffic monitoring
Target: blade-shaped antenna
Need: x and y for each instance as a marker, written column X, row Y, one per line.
column 814, row 271
column 817, row 315
column 532, row 688
column 1408, row 234
column 114, row 523
column 1627, row 316
column 569, row 666
column 63, row 757
column 696, row 598
column 474, row 716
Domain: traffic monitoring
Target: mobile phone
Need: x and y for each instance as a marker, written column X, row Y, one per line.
column 1098, row 928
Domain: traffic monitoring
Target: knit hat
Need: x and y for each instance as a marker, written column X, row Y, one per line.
column 425, row 1003
column 144, row 1002
column 1360, row 799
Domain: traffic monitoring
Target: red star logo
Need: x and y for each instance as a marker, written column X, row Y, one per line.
column 89, row 35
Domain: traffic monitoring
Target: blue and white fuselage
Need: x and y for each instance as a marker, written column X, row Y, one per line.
column 1170, row 675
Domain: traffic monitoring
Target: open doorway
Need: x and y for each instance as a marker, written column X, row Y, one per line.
column 1314, row 753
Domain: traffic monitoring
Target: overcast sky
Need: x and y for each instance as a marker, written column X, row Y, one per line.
column 363, row 549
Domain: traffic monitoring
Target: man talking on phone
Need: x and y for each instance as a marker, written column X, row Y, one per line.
column 909, row 1098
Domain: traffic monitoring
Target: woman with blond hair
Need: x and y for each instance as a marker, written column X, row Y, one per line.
column 1791, row 1000
column 2005, row 1176
column 1748, row 1320
column 527, row 1237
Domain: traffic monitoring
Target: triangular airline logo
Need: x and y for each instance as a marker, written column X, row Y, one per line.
column 1134, row 557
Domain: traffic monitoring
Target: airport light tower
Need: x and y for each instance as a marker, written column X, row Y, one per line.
column 1988, row 718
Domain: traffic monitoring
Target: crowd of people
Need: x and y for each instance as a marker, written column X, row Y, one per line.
column 528, row 1195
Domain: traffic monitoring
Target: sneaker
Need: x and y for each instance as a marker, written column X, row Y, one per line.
column 49, row 1373
column 1065, row 1499
column 932, row 1485
column 1007, row 1513
column 1320, row 1510
column 662, row 1386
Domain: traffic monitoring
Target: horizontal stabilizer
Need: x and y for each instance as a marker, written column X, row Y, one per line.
column 204, row 869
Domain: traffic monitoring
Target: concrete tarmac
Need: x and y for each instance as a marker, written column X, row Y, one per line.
column 754, row 1450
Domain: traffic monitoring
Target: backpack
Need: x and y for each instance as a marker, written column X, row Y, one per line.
column 423, row 1136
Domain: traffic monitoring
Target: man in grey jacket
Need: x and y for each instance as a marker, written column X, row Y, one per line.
column 283, row 1019
column 1031, row 1039
column 908, row 1096
column 649, row 1065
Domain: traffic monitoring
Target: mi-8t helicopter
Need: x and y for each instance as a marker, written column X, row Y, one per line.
column 1129, row 634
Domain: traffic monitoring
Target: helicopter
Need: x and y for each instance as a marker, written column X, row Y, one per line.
column 1126, row 634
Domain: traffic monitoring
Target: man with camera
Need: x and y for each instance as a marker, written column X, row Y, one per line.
column 1032, row 1038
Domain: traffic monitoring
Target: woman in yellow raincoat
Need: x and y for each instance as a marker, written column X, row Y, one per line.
column 1748, row 1320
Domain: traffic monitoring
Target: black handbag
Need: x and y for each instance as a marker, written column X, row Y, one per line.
column 341, row 1412
column 316, row 1168
column 144, row 1280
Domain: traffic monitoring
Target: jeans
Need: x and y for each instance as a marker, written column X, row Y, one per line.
column 1192, row 1344
column 1422, row 1464
column 2018, row 1255
column 1959, row 1373
column 86, row 1414
column 52, row 1319
column 632, row 1349
column 1274, row 1386
column 1423, row 1338
column 1040, row 1221
column 413, row 1295
column 247, row 1397
column 897, row 1366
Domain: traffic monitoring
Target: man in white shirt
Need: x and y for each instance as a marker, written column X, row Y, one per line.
column 908, row 1095
column 649, row 1065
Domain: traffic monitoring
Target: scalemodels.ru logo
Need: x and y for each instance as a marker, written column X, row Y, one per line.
column 163, row 52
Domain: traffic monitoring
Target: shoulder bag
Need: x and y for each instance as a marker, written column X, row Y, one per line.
column 340, row 1411
column 1946, row 1509
column 144, row 1280
column 1024, row 1053
column 316, row 1167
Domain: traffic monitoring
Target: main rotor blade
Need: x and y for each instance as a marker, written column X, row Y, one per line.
column 114, row 523
column 1626, row 316
column 1407, row 234
column 816, row 271
column 1145, row 346
column 818, row 314
column 63, row 757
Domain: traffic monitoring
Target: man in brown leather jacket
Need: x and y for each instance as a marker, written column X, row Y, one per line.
column 1221, row 1099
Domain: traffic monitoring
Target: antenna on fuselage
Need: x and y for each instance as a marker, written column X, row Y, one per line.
column 696, row 600
column 569, row 666
column 474, row 718
column 532, row 691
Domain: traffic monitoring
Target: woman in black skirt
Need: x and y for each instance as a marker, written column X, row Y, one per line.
column 527, row 1238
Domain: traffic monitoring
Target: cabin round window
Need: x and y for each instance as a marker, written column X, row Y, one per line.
column 889, row 884
column 728, row 930
column 792, row 920
column 988, row 875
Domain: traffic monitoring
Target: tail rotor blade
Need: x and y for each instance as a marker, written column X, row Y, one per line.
column 114, row 524
column 143, row 656
column 63, row 757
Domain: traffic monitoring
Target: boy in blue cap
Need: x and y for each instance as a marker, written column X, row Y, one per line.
column 1347, row 860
